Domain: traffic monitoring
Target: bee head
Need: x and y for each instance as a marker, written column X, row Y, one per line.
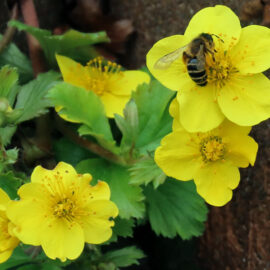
column 208, row 39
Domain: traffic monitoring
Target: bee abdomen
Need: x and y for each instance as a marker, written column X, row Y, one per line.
column 198, row 76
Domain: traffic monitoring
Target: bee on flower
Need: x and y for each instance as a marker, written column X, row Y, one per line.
column 216, row 68
column 210, row 158
column 60, row 211
column 106, row 79
column 8, row 241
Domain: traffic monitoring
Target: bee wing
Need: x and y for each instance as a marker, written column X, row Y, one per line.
column 166, row 60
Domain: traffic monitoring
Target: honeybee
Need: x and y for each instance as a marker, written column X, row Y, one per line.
column 193, row 55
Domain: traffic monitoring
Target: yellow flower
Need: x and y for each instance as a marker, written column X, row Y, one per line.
column 60, row 211
column 236, row 88
column 113, row 86
column 7, row 239
column 211, row 158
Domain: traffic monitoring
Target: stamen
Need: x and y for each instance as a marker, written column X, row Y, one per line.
column 220, row 68
column 212, row 148
column 99, row 74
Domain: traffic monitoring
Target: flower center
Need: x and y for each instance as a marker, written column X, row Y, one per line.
column 100, row 73
column 64, row 209
column 219, row 66
column 212, row 148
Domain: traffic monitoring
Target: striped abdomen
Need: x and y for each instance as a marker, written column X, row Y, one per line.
column 196, row 72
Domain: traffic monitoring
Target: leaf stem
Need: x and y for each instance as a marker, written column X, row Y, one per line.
column 36, row 55
column 91, row 146
column 10, row 31
column 35, row 52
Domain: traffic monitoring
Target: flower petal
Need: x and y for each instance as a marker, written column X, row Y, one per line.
column 4, row 199
column 28, row 216
column 215, row 182
column 199, row 111
column 242, row 150
column 178, row 156
column 114, row 104
column 101, row 191
column 123, row 85
column 175, row 76
column 62, row 239
column 227, row 128
column 72, row 72
column 97, row 226
column 252, row 53
column 246, row 99
column 174, row 112
column 64, row 170
column 4, row 256
column 219, row 20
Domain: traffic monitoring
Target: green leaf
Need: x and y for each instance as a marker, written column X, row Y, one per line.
column 175, row 208
column 84, row 107
column 8, row 87
column 69, row 152
column 12, row 56
column 29, row 267
column 10, row 184
column 124, row 257
column 70, row 43
column 128, row 125
column 49, row 266
column 146, row 119
column 6, row 134
column 145, row 171
column 154, row 119
column 32, row 96
column 122, row 228
column 11, row 156
column 128, row 198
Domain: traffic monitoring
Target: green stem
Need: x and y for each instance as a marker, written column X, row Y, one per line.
column 91, row 146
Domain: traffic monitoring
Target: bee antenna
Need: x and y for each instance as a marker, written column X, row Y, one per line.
column 218, row 37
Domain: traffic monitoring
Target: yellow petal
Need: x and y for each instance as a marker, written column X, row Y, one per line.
column 8, row 243
column 174, row 112
column 178, row 155
column 218, row 20
column 245, row 100
column 215, row 182
column 175, row 76
column 72, row 72
column 124, row 83
column 62, row 240
column 242, row 150
column 63, row 170
column 252, row 53
column 4, row 199
column 101, row 191
column 4, row 256
column 114, row 104
column 97, row 226
column 28, row 216
column 199, row 111
column 228, row 128
column 30, row 191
